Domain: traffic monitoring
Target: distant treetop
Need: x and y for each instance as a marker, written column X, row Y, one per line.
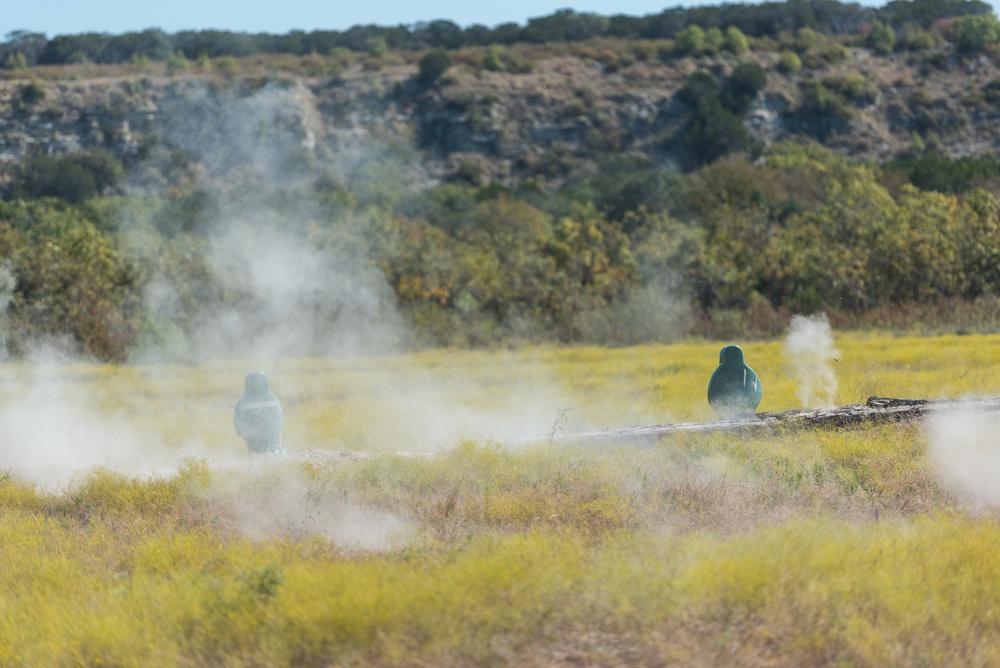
column 767, row 19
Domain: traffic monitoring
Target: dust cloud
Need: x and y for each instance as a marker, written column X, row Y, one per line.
column 810, row 353
column 964, row 445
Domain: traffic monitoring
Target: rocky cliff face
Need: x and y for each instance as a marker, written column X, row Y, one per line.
column 487, row 126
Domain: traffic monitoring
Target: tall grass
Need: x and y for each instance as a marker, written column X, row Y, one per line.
column 837, row 547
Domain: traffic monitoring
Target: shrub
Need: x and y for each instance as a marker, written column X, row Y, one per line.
column 735, row 41
column 75, row 177
column 140, row 61
column 226, row 65
column 432, row 65
column 829, row 53
column 742, row 86
column 933, row 171
column 880, row 37
column 176, row 63
column 852, row 87
column 710, row 132
column 16, row 61
column 32, row 93
column 645, row 51
column 376, row 47
column 691, row 40
column 818, row 100
column 713, row 40
column 914, row 38
column 991, row 91
column 789, row 62
column 700, row 88
column 971, row 34
column 492, row 60
column 806, row 39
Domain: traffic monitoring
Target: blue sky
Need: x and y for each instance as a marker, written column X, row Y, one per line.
column 71, row 17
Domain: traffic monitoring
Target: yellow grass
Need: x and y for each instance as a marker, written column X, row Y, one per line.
column 491, row 541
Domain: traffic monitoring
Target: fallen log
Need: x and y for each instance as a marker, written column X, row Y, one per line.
column 875, row 410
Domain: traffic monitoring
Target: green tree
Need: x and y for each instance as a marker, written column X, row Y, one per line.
column 818, row 100
column 733, row 183
column 72, row 284
column 74, row 177
column 727, row 273
column 565, row 25
column 186, row 210
column 699, row 89
column 880, row 38
column 742, row 86
column 971, row 34
column 829, row 249
column 626, row 183
column 806, row 38
column 979, row 245
column 933, row 171
column 227, row 66
column 593, row 254
column 22, row 46
column 512, row 277
column 917, row 258
column 710, row 132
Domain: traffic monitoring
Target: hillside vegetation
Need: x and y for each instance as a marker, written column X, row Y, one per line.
column 581, row 179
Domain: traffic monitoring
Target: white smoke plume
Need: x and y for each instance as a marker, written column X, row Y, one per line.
column 964, row 445
column 54, row 424
column 295, row 300
column 287, row 282
column 810, row 352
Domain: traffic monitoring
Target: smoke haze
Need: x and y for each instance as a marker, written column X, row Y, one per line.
column 288, row 293
column 964, row 445
column 53, row 424
column 811, row 354
column 273, row 500
column 424, row 414
column 288, row 290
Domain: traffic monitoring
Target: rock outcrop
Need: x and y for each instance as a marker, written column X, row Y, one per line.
column 485, row 126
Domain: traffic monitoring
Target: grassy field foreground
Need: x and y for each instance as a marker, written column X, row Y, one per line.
column 433, row 511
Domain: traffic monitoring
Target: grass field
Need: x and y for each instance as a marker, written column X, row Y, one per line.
column 434, row 511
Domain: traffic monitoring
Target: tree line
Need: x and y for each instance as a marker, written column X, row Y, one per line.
column 24, row 48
